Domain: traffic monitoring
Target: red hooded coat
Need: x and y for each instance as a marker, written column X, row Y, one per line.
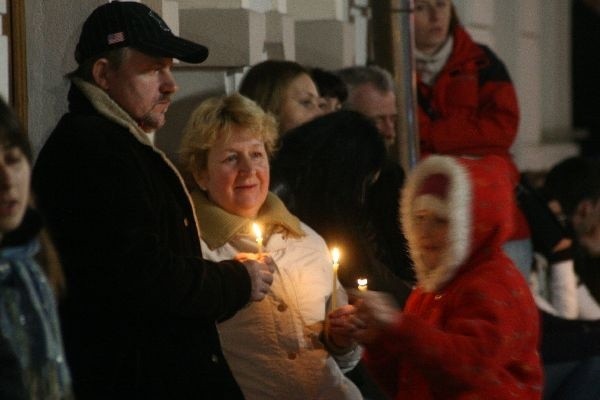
column 470, row 329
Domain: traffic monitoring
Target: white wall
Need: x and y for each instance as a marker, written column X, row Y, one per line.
column 532, row 38
column 4, row 88
column 53, row 27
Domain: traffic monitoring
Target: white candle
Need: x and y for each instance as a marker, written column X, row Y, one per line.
column 335, row 257
column 259, row 238
column 362, row 284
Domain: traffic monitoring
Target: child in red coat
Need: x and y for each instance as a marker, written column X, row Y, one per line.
column 470, row 328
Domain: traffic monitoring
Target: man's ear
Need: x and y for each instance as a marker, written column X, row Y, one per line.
column 100, row 71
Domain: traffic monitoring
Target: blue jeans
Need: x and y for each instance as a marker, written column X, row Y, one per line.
column 521, row 253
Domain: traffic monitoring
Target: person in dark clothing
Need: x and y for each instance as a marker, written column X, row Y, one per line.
column 139, row 315
column 564, row 217
column 324, row 171
column 372, row 92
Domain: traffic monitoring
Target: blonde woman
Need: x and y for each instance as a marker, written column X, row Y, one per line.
column 280, row 347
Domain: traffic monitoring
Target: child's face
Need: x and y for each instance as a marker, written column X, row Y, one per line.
column 15, row 174
column 431, row 237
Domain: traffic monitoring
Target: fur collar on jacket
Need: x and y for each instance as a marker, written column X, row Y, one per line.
column 108, row 108
column 480, row 203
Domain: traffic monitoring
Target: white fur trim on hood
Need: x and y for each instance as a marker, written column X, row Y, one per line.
column 458, row 207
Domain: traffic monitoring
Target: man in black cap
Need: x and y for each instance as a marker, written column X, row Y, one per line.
column 141, row 305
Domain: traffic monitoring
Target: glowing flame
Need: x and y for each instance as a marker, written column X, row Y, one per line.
column 257, row 232
column 335, row 255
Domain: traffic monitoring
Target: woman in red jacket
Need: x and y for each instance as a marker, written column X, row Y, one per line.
column 469, row 330
column 467, row 102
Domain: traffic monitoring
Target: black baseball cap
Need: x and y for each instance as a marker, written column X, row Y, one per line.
column 127, row 23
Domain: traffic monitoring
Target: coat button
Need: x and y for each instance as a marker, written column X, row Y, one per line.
column 186, row 222
column 292, row 356
column 214, row 358
column 281, row 307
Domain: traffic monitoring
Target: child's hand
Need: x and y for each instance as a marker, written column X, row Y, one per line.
column 375, row 312
column 341, row 327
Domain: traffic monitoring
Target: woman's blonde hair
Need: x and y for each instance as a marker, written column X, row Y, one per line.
column 217, row 117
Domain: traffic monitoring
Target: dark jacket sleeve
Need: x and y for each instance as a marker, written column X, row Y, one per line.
column 125, row 229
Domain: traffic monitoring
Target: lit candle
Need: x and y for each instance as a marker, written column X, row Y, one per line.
column 259, row 238
column 335, row 257
column 362, row 284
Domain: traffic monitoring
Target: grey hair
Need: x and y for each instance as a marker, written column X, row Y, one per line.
column 378, row 77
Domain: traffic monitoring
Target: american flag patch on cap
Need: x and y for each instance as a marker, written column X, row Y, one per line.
column 114, row 38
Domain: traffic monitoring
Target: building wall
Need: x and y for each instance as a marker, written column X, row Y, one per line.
column 535, row 54
column 3, row 56
column 52, row 31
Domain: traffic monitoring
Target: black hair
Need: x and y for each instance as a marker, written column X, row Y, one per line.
column 572, row 181
column 11, row 131
column 327, row 165
column 329, row 84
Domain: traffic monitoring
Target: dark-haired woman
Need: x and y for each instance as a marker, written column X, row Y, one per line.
column 285, row 89
column 32, row 363
column 324, row 171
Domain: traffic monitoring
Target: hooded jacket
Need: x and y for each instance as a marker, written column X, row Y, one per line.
column 139, row 315
column 470, row 328
column 471, row 109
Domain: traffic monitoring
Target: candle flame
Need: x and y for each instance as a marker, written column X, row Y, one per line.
column 257, row 232
column 335, row 255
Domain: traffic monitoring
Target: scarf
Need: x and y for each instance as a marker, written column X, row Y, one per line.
column 430, row 65
column 219, row 226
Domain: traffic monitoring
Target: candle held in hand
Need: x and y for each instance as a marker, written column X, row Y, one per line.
column 335, row 257
column 362, row 284
column 259, row 238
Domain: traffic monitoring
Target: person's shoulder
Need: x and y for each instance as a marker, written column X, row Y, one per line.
column 492, row 68
column 86, row 126
column 310, row 239
column 85, row 133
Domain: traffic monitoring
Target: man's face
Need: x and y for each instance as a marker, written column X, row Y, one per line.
column 379, row 106
column 142, row 85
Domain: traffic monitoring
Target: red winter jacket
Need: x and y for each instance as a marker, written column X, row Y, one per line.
column 470, row 329
column 471, row 109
